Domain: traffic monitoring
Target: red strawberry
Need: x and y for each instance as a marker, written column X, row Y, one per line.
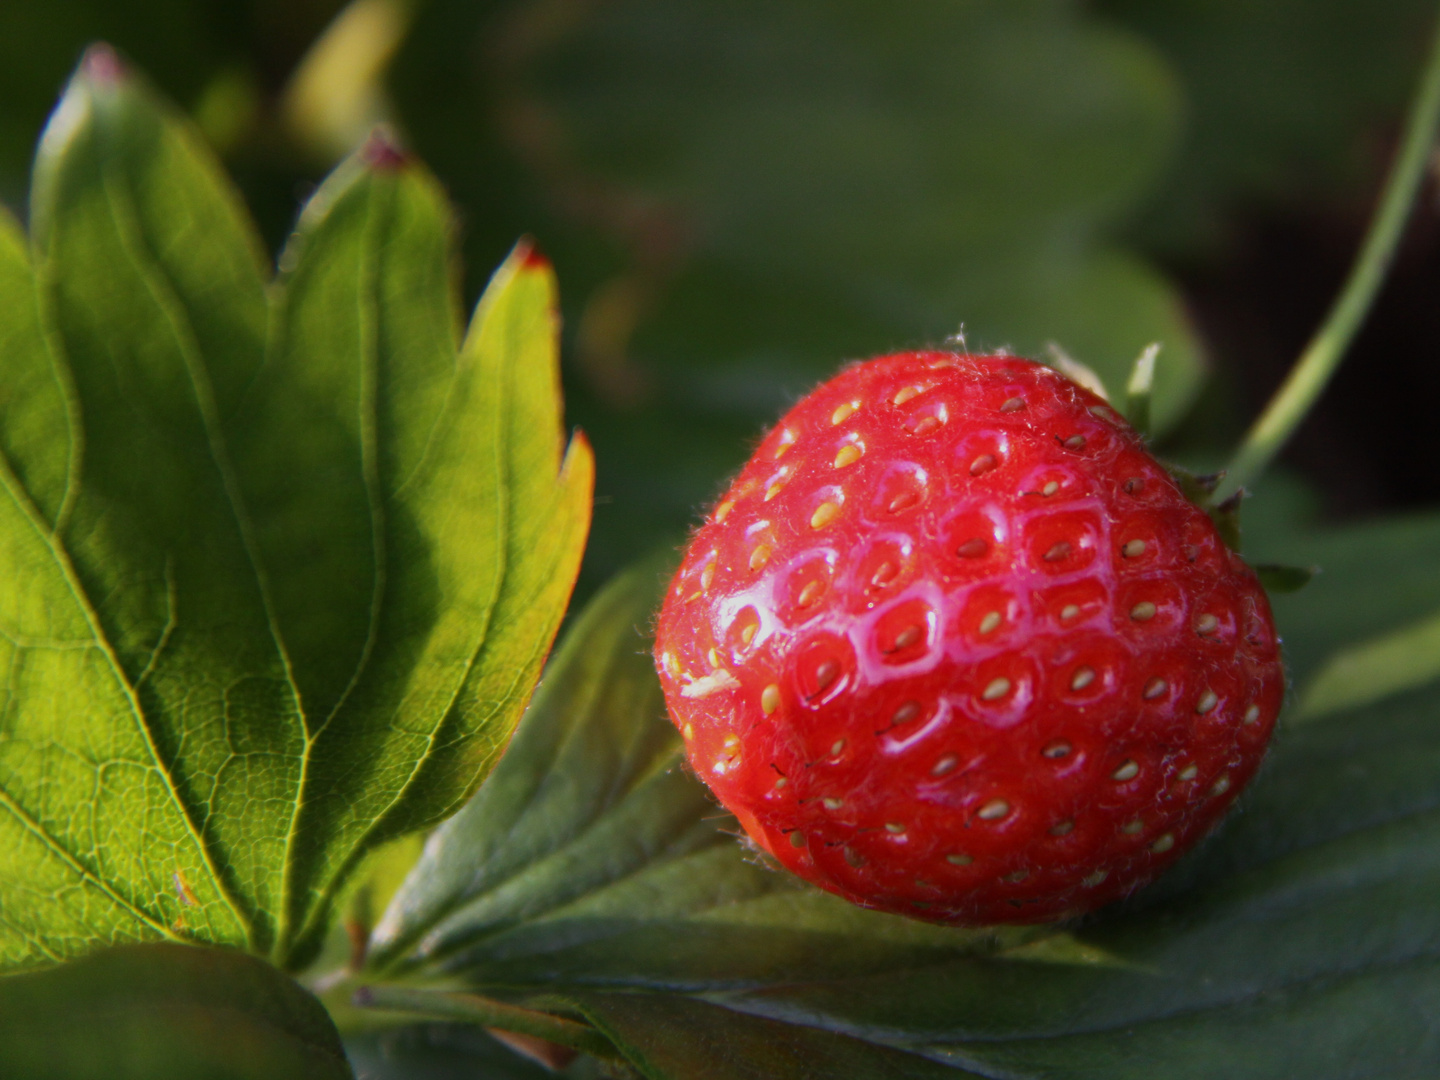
column 955, row 645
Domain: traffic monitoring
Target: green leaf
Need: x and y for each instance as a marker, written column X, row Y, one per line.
column 1379, row 576
column 1285, row 579
column 153, row 1012
column 444, row 1052
column 98, row 805
column 449, row 471
column 1140, row 388
column 1393, row 663
column 670, row 1038
column 281, row 561
column 486, row 1012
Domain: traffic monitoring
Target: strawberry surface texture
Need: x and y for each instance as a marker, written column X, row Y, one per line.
column 954, row 645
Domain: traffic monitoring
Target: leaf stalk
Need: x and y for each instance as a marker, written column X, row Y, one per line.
column 1322, row 356
column 475, row 1009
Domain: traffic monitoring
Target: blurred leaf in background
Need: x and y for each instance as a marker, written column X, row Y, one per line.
column 745, row 194
column 226, row 63
column 1294, row 109
column 1288, row 100
column 165, row 1012
column 741, row 195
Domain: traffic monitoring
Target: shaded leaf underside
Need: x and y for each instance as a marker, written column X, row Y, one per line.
column 163, row 1012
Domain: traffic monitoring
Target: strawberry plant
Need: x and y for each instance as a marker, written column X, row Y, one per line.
column 282, row 557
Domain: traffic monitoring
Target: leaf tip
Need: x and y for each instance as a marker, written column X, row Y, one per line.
column 102, row 67
column 382, row 153
column 578, row 466
column 528, row 255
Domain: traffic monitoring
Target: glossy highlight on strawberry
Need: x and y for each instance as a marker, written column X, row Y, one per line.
column 954, row 645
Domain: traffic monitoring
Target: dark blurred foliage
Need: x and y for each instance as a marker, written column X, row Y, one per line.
column 740, row 194
column 229, row 59
column 1294, row 108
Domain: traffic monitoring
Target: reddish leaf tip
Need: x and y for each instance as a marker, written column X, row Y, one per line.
column 381, row 153
column 102, row 65
column 530, row 255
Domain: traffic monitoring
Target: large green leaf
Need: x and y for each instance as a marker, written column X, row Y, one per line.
column 1301, row 940
column 280, row 561
column 164, row 1012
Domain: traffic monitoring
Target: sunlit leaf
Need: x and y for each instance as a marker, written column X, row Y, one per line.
column 280, row 561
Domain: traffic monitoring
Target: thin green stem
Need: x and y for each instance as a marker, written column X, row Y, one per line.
column 474, row 1009
column 1327, row 348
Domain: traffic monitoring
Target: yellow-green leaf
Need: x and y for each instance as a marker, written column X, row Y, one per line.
column 1390, row 664
column 279, row 560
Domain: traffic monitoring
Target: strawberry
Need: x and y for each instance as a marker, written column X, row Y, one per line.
column 954, row 645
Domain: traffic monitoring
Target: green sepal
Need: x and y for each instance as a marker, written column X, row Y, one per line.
column 1197, row 487
column 1200, row 490
column 1284, row 579
column 1226, row 516
column 1138, row 390
column 1078, row 373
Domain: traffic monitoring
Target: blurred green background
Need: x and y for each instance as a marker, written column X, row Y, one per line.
column 739, row 194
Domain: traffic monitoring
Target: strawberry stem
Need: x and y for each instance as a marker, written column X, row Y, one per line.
column 1322, row 356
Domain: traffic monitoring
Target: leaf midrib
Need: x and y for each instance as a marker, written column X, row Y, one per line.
column 151, row 273
column 367, row 306
column 466, row 354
